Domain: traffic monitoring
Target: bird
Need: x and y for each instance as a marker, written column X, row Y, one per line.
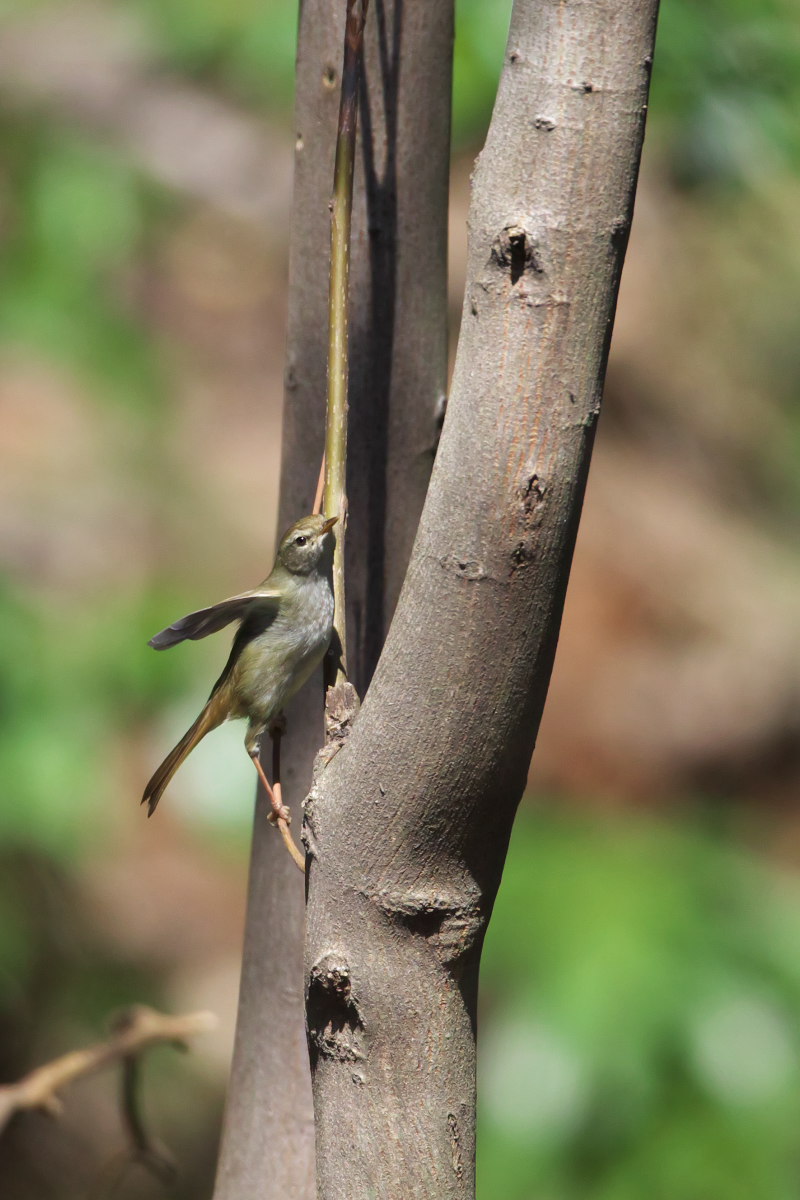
column 285, row 628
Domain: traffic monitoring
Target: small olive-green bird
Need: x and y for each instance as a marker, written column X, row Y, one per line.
column 285, row 629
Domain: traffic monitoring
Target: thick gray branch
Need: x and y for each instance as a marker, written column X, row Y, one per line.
column 397, row 377
column 410, row 821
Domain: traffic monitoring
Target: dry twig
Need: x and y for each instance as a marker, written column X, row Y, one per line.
column 142, row 1150
column 143, row 1027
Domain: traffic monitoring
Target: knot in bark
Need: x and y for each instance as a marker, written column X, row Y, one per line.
column 464, row 567
column 335, row 1023
column 532, row 493
column 448, row 924
column 515, row 250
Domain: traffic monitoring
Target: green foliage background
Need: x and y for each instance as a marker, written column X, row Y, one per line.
column 642, row 975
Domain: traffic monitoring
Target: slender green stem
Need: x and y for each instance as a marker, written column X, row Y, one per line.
column 335, row 496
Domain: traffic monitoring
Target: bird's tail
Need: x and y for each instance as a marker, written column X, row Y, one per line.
column 209, row 719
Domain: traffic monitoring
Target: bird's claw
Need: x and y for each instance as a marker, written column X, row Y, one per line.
column 281, row 812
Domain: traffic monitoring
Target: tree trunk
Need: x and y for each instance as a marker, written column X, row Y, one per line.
column 408, row 825
column 397, row 380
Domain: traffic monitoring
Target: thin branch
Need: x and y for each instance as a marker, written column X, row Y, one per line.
column 320, row 489
column 142, row 1028
column 338, row 308
column 142, row 1150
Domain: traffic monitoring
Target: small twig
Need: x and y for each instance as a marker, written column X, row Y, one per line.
column 142, row 1151
column 152, row 1156
column 143, row 1027
column 338, row 304
column 320, row 488
column 110, row 1179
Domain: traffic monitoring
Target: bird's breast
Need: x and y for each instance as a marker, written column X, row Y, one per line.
column 278, row 661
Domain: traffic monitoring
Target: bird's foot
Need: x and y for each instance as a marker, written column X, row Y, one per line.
column 279, row 813
column 279, row 810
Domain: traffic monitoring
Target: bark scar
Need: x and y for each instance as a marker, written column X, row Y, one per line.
column 515, row 250
column 455, row 1146
column 341, row 709
column 532, row 493
column 465, row 568
column 335, row 1021
column 449, row 925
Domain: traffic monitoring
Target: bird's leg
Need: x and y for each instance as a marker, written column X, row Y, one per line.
column 279, row 810
column 280, row 814
column 253, row 745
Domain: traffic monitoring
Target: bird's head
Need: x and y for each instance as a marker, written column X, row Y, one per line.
column 306, row 547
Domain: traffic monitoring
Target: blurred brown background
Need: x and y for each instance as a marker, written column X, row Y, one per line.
column 642, row 977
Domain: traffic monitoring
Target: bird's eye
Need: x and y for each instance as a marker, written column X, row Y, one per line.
column 301, row 540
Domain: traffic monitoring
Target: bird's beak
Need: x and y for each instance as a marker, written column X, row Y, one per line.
column 329, row 524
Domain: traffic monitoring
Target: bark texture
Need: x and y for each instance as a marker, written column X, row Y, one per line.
column 397, row 378
column 398, row 305
column 409, row 823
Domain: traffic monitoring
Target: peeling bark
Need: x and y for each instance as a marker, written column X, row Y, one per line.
column 409, row 823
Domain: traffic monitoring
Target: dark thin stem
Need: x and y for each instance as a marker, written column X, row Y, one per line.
column 338, row 306
column 144, row 1150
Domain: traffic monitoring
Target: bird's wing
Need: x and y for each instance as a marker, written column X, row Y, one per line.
column 209, row 620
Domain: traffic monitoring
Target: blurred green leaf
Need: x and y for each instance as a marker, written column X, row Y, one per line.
column 641, row 1029
column 77, row 215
